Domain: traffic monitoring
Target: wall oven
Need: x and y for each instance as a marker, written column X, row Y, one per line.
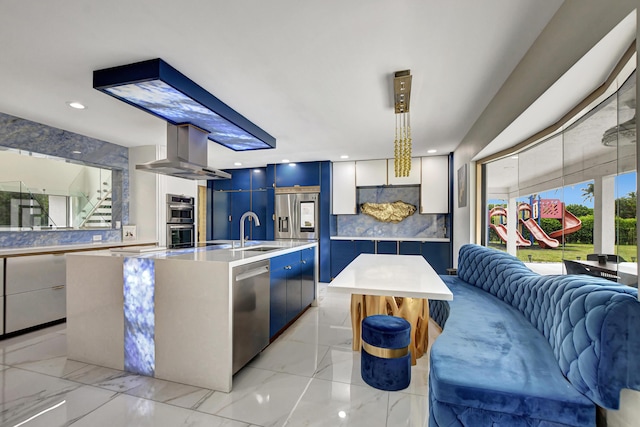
column 180, row 209
column 180, row 221
column 180, row 236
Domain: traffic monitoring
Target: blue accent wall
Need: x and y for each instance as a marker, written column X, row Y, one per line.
column 26, row 135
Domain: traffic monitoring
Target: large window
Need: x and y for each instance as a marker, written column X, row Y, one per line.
column 571, row 195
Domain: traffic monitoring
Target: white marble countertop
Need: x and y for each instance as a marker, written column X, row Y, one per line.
column 222, row 253
column 391, row 275
column 74, row 247
column 392, row 239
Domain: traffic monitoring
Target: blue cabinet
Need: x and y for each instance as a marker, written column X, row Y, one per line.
column 220, row 211
column 245, row 191
column 303, row 174
column 410, row 248
column 438, row 254
column 307, row 276
column 240, row 203
column 345, row 251
column 387, row 247
column 259, row 206
column 342, row 253
column 278, row 296
column 240, row 180
column 292, row 287
column 259, row 178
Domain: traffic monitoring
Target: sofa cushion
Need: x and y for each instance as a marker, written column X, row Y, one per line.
column 506, row 364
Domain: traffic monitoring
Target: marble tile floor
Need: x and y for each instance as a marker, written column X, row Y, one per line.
column 308, row 377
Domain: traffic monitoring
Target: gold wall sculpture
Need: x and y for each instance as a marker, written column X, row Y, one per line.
column 388, row 212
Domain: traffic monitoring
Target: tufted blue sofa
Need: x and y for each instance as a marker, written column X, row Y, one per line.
column 521, row 349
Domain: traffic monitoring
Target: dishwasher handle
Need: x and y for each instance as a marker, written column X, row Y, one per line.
column 252, row 273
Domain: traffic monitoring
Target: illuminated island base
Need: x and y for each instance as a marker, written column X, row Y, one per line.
column 165, row 314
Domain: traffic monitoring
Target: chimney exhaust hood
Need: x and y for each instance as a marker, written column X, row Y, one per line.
column 187, row 154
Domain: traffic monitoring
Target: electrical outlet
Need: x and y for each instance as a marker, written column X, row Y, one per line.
column 97, row 238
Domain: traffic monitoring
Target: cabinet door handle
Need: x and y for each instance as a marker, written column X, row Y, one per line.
column 229, row 218
column 304, row 262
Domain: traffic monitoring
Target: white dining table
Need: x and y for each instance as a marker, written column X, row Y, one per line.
column 398, row 285
column 391, row 275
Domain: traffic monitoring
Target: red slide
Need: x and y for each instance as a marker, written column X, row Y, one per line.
column 501, row 230
column 571, row 224
column 538, row 233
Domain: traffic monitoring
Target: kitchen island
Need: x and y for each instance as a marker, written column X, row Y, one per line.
column 170, row 313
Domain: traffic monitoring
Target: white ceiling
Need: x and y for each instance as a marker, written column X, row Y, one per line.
column 317, row 75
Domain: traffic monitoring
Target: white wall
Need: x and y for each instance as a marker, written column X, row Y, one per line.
column 143, row 193
column 574, row 30
column 38, row 173
column 148, row 193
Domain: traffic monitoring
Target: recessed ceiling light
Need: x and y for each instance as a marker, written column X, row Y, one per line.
column 432, row 151
column 292, row 164
column 76, row 105
column 285, row 160
column 237, row 164
column 514, row 157
column 76, row 152
column 344, row 156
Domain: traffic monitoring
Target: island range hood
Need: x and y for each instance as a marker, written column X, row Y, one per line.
column 187, row 155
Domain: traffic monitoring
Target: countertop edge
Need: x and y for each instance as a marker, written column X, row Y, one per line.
column 75, row 247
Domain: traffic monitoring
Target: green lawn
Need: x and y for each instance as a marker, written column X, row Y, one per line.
column 569, row 251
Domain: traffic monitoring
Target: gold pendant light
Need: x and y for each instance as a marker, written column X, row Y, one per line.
column 402, row 143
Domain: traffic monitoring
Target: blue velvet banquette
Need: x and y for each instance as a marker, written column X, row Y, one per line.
column 521, row 349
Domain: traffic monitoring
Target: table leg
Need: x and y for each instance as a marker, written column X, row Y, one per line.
column 357, row 314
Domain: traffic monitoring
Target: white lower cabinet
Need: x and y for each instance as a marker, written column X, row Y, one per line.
column 35, row 291
column 35, row 308
column 33, row 272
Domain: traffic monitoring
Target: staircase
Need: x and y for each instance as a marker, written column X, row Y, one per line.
column 98, row 213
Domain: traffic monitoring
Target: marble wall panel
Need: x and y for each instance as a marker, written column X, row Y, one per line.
column 416, row 225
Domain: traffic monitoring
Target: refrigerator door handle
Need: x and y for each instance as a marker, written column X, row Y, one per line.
column 285, row 225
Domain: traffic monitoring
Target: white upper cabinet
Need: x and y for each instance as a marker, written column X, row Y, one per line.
column 434, row 190
column 414, row 173
column 371, row 173
column 343, row 193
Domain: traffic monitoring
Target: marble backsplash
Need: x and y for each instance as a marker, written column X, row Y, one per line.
column 26, row 135
column 416, row 225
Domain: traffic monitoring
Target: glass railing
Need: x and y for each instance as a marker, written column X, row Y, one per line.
column 85, row 204
column 22, row 208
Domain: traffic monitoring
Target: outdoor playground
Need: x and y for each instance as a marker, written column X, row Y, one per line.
column 529, row 217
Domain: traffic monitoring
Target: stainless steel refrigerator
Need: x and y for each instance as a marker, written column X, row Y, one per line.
column 296, row 213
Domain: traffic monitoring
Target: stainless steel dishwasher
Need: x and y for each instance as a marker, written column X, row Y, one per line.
column 250, row 311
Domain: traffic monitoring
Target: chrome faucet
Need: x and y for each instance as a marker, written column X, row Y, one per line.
column 242, row 218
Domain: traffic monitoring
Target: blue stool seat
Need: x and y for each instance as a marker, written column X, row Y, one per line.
column 385, row 356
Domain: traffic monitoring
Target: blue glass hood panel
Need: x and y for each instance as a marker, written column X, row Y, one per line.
column 159, row 89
